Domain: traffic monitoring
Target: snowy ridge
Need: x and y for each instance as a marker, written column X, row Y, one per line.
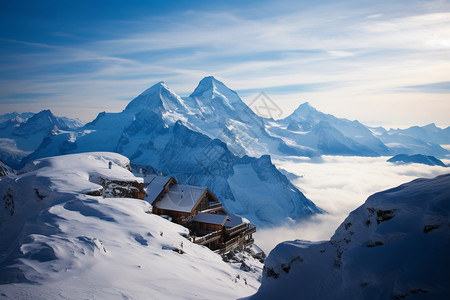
column 60, row 242
column 393, row 246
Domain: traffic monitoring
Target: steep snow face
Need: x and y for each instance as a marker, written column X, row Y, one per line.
column 263, row 181
column 57, row 241
column 218, row 112
column 394, row 246
column 72, row 123
column 211, row 88
column 417, row 158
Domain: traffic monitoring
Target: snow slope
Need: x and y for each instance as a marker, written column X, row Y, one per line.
column 394, row 246
column 58, row 242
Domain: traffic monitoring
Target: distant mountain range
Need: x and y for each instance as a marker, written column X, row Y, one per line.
column 22, row 134
column 211, row 138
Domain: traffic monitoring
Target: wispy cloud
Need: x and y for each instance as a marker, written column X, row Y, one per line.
column 435, row 87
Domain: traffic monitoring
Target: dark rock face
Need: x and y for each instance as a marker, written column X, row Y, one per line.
column 122, row 189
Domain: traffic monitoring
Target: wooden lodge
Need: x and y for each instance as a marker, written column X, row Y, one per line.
column 198, row 209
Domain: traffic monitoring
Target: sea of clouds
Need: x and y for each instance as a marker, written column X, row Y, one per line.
column 337, row 185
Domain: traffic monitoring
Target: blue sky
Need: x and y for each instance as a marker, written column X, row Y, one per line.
column 381, row 62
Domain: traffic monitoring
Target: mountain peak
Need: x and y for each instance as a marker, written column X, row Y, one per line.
column 304, row 108
column 430, row 126
column 45, row 114
column 306, row 105
column 209, row 86
column 42, row 121
column 156, row 88
column 157, row 97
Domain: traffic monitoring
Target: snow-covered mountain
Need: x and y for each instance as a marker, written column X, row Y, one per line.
column 205, row 139
column 326, row 134
column 426, row 140
column 417, row 158
column 152, row 131
column 430, row 133
column 22, row 117
column 394, row 246
column 19, row 138
column 57, row 241
column 216, row 111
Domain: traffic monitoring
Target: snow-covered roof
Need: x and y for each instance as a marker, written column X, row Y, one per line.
column 235, row 220
column 181, row 198
column 210, row 218
column 155, row 185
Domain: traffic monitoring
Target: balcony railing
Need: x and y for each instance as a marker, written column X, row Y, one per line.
column 236, row 229
column 211, row 237
column 251, row 229
column 248, row 228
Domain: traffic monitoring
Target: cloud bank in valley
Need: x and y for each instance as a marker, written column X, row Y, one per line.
column 338, row 185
